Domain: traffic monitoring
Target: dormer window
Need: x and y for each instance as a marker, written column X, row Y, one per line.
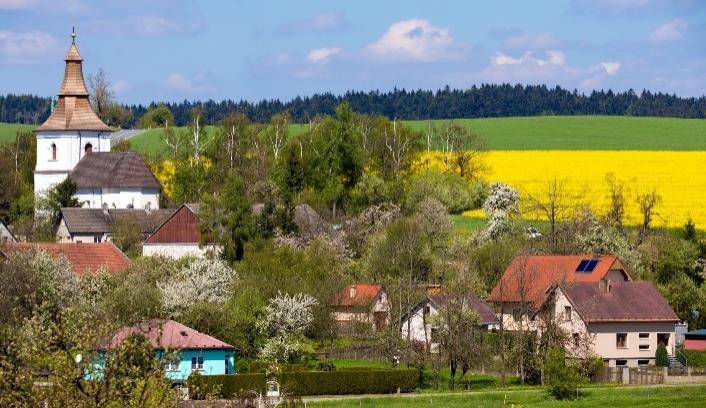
column 88, row 148
column 53, row 151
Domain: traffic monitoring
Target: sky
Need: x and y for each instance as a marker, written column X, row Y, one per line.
column 171, row 50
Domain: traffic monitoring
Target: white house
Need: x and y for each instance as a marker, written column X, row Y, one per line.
column 178, row 236
column 5, row 234
column 72, row 129
column 75, row 142
column 621, row 322
column 98, row 224
column 361, row 309
column 418, row 323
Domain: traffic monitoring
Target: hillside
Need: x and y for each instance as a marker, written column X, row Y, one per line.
column 8, row 131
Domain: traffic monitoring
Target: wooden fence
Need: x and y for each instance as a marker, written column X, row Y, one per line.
column 646, row 375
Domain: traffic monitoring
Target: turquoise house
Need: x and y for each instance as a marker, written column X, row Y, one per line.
column 195, row 351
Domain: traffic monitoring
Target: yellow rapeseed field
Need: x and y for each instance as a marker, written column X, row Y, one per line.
column 679, row 177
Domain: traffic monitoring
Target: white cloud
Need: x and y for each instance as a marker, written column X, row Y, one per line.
column 670, row 31
column 16, row 4
column 147, row 25
column 611, row 68
column 180, row 82
column 320, row 23
column 530, row 41
column 26, row 47
column 120, row 87
column 413, row 40
column 321, row 55
column 553, row 57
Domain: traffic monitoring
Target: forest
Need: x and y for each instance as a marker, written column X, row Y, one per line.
column 482, row 101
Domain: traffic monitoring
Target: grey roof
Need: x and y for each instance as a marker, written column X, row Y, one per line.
column 111, row 170
column 485, row 315
column 194, row 207
column 95, row 220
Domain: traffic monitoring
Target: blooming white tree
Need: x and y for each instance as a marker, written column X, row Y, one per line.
column 502, row 202
column 203, row 280
column 286, row 319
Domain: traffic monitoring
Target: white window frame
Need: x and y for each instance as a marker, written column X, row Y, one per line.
column 171, row 365
column 197, row 363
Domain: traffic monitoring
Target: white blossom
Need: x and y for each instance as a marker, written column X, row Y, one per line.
column 204, row 280
column 502, row 202
column 288, row 315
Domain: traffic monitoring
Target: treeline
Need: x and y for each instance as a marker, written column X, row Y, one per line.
column 476, row 102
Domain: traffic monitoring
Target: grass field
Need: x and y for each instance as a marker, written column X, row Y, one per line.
column 8, row 131
column 645, row 396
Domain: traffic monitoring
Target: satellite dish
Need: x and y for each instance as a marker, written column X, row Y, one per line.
column 78, row 358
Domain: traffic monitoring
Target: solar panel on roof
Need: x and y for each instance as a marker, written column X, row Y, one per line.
column 582, row 265
column 591, row 265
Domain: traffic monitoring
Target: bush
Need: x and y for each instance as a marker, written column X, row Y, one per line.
column 692, row 358
column 262, row 366
column 325, row 365
column 452, row 190
column 242, row 366
column 661, row 356
column 303, row 383
column 563, row 379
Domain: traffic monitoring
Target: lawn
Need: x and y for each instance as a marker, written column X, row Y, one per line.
column 8, row 131
column 585, row 132
column 645, row 396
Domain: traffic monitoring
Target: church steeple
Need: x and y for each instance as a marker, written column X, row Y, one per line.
column 73, row 110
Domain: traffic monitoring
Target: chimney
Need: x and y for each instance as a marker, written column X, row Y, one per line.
column 352, row 292
column 604, row 285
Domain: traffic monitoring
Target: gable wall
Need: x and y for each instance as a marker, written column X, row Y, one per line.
column 182, row 227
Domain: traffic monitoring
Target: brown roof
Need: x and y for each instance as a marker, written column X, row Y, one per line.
column 485, row 314
column 113, row 169
column 624, row 301
column 84, row 258
column 72, row 110
column 168, row 334
column 529, row 277
column 96, row 220
column 182, row 227
column 363, row 295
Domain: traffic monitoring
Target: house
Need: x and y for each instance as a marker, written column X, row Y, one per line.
column 361, row 308
column 84, row 258
column 118, row 180
column 695, row 340
column 178, row 236
column 5, row 234
column 97, row 224
column 74, row 142
column 622, row 322
column 196, row 351
column 418, row 325
column 524, row 286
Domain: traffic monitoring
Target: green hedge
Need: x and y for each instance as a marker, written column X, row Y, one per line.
column 261, row 367
column 302, row 383
column 694, row 358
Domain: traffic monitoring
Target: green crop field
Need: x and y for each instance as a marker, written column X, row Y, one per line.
column 527, row 133
column 643, row 396
column 8, row 131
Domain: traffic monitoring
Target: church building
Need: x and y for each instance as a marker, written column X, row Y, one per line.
column 75, row 141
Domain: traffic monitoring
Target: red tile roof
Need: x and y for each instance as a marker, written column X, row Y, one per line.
column 168, row 334
column 84, row 258
column 529, row 277
column 363, row 294
column 624, row 302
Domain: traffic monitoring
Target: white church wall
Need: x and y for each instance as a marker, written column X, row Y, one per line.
column 119, row 197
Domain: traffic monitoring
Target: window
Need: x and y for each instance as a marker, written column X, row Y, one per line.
column 88, row 148
column 53, row 152
column 644, row 335
column 621, row 340
column 427, row 310
column 197, row 363
column 516, row 315
column 567, row 312
column 621, row 363
column 434, row 334
column 644, row 346
column 227, row 361
column 643, row 363
column 576, row 338
column 97, row 239
column 171, row 366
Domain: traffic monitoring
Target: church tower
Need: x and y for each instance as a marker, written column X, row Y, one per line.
column 72, row 130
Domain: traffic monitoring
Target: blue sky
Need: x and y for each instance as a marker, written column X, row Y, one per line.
column 174, row 50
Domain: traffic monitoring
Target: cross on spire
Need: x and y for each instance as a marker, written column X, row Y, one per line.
column 73, row 35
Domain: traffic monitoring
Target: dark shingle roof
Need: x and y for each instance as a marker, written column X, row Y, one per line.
column 110, row 170
column 485, row 315
column 95, row 220
column 625, row 301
